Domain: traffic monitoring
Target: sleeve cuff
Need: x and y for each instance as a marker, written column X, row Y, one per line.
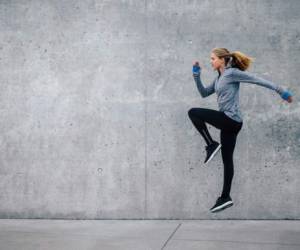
column 279, row 90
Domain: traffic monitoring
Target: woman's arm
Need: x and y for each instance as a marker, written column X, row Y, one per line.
column 238, row 75
column 204, row 92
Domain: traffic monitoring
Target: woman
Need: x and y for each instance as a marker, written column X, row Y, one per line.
column 231, row 71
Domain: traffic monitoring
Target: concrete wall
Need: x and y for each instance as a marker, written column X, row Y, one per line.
column 94, row 101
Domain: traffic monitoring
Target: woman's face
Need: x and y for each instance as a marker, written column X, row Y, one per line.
column 216, row 62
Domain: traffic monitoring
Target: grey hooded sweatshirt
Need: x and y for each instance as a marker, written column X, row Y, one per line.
column 227, row 85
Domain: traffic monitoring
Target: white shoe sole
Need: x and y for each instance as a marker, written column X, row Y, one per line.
column 213, row 154
column 223, row 206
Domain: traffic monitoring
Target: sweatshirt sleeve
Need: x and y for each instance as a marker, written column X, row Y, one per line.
column 204, row 92
column 242, row 76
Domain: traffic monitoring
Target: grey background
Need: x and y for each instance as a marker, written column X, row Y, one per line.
column 94, row 101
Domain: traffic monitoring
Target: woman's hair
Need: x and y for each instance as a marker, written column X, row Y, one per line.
column 238, row 59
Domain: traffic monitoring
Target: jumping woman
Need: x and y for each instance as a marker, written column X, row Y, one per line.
column 231, row 71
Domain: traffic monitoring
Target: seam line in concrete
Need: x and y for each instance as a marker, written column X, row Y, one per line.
column 146, row 108
column 246, row 242
column 171, row 236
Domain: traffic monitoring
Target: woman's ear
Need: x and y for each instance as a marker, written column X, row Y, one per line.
column 223, row 60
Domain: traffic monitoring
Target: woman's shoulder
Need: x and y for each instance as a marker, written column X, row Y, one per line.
column 229, row 71
column 232, row 71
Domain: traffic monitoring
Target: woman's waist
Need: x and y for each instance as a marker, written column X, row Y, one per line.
column 235, row 117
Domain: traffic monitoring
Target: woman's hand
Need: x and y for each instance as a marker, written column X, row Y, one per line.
column 196, row 69
column 287, row 96
column 289, row 99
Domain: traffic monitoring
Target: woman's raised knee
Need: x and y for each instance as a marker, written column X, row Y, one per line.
column 191, row 112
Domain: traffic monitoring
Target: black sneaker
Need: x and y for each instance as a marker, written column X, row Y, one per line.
column 211, row 151
column 221, row 204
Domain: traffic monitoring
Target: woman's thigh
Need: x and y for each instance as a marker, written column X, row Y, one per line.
column 213, row 117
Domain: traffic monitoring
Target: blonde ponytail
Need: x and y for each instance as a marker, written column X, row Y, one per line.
column 238, row 59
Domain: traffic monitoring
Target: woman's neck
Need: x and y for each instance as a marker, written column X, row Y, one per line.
column 221, row 69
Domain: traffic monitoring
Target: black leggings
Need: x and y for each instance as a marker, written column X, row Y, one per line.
column 228, row 134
